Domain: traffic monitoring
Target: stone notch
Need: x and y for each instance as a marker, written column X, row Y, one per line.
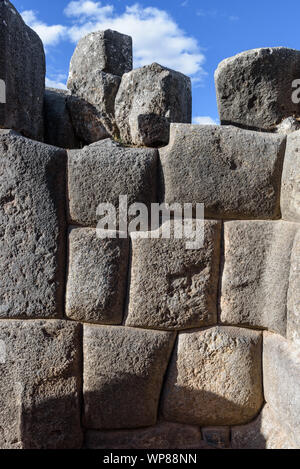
column 32, row 221
column 22, row 71
column 173, row 288
column 59, row 131
column 290, row 190
column 235, row 173
column 40, row 386
column 256, row 273
column 254, row 88
column 148, row 100
column 97, row 277
column 215, row 378
column 123, row 366
column 102, row 172
column 281, row 365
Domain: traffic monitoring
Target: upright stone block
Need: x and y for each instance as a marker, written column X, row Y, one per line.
column 97, row 277
column 293, row 296
column 32, row 233
column 255, row 88
column 174, row 288
column 256, row 273
column 235, row 173
column 104, row 171
column 58, row 126
column 148, row 100
column 40, row 365
column 281, row 365
column 215, row 378
column 290, row 190
column 22, row 69
column 123, row 375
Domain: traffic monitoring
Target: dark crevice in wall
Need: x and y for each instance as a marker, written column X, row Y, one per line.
column 221, row 270
column 173, row 352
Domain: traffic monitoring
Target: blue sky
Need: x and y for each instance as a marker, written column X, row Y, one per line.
column 191, row 36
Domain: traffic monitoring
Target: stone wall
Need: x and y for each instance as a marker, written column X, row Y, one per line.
column 140, row 343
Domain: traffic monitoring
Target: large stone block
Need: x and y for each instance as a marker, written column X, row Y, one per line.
column 254, row 88
column 256, row 273
column 263, row 433
column 58, row 126
column 105, row 51
column 40, row 365
column 281, row 365
column 22, row 68
column 164, row 435
column 97, row 277
column 174, row 288
column 32, row 234
column 235, row 173
column 293, row 297
column 102, row 172
column 290, row 190
column 215, row 378
column 123, row 375
column 148, row 100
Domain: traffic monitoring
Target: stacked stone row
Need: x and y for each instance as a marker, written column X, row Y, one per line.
column 140, row 343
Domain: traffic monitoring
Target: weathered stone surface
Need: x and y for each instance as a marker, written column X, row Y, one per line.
column 215, row 378
column 58, row 127
column 218, row 437
column 281, row 365
column 97, row 277
column 254, row 88
column 288, row 126
column 105, row 51
column 235, row 173
column 148, row 100
column 293, row 297
column 40, row 385
column 92, row 106
column 22, row 68
column 102, row 172
column 256, row 273
column 263, row 433
column 32, row 220
column 290, row 191
column 164, row 435
column 123, row 374
column 174, row 288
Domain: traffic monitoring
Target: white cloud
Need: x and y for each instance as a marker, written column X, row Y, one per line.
column 156, row 36
column 50, row 35
column 204, row 120
column 55, row 83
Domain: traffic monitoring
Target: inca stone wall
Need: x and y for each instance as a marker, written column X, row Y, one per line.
column 141, row 343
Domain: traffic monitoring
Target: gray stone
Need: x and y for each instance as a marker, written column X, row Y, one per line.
column 40, row 385
column 288, row 126
column 101, row 173
column 106, row 51
column 148, row 100
column 22, row 68
column 281, row 365
column 235, row 173
column 97, row 277
column 32, row 233
column 58, row 126
column 256, row 273
column 172, row 287
column 293, row 297
column 219, row 437
column 254, row 88
column 95, row 108
column 215, row 378
column 164, row 435
column 123, row 375
column 263, row 433
column 290, row 191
